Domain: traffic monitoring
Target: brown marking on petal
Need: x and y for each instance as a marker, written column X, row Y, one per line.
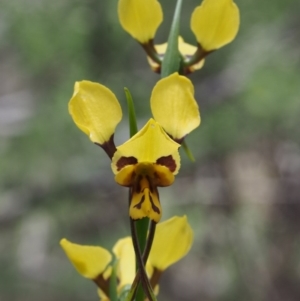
column 138, row 187
column 139, row 205
column 155, row 276
column 155, row 208
column 151, row 188
column 178, row 140
column 168, row 162
column 124, row 161
column 108, row 146
column 102, row 283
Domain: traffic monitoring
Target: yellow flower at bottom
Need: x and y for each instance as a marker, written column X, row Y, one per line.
column 172, row 240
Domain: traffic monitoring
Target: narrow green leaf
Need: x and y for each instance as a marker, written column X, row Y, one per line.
column 126, row 293
column 172, row 59
column 131, row 113
column 113, row 282
column 187, row 151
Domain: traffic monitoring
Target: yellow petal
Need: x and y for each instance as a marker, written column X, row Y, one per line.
column 150, row 144
column 140, row 18
column 174, row 107
column 89, row 261
column 186, row 50
column 163, row 175
column 95, row 110
column 215, row 23
column 125, row 176
column 124, row 252
column 173, row 239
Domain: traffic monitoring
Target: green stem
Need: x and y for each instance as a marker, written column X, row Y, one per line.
column 151, row 52
column 134, row 286
column 187, row 151
column 140, row 262
column 113, row 294
column 172, row 59
column 199, row 55
column 141, row 232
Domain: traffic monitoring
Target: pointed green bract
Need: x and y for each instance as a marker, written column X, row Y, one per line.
column 113, row 282
column 187, row 151
column 172, row 59
column 131, row 113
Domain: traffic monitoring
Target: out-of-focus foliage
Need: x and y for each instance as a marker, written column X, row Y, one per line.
column 242, row 196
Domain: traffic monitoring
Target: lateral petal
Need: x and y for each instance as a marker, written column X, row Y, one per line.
column 140, row 18
column 89, row 261
column 95, row 110
column 173, row 239
column 215, row 23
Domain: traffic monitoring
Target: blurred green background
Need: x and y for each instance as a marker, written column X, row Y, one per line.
column 242, row 196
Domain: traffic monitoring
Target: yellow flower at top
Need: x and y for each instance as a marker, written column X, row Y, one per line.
column 172, row 241
column 149, row 159
column 214, row 23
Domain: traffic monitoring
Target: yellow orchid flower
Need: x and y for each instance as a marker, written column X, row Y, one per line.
column 150, row 159
column 173, row 239
column 214, row 23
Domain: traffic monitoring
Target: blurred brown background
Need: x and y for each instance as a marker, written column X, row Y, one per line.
column 242, row 196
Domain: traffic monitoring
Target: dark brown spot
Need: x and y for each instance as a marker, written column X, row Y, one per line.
column 138, row 187
column 155, row 208
column 102, row 283
column 151, row 188
column 124, row 161
column 168, row 162
column 139, row 205
column 155, row 277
